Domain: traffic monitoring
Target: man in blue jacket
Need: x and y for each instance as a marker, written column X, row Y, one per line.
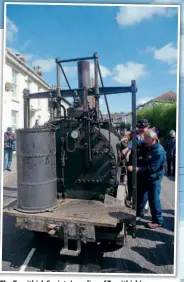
column 9, row 139
column 142, row 127
column 149, row 177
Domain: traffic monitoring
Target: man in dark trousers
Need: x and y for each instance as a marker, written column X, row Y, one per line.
column 170, row 147
column 142, row 127
column 9, row 139
column 149, row 177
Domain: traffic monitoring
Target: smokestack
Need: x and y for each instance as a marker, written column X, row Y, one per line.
column 83, row 77
column 83, row 74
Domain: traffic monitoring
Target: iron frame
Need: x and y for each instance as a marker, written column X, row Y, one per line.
column 95, row 91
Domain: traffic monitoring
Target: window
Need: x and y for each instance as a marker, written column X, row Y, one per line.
column 14, row 120
column 14, row 83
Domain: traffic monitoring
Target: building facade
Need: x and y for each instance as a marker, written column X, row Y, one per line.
column 17, row 77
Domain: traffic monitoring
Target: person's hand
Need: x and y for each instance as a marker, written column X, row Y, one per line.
column 130, row 168
column 125, row 151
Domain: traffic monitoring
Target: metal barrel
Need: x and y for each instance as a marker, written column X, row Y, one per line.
column 36, row 169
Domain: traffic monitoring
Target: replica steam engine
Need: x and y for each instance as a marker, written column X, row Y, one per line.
column 73, row 158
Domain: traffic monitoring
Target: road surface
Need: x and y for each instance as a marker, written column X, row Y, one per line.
column 151, row 252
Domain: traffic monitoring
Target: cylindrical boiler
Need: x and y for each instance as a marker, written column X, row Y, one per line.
column 36, row 169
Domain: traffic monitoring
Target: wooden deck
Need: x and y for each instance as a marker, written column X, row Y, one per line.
column 80, row 211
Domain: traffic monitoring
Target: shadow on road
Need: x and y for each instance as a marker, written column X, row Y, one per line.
column 162, row 254
column 172, row 178
column 171, row 212
column 169, row 223
column 154, row 235
column 90, row 260
column 123, row 266
column 16, row 244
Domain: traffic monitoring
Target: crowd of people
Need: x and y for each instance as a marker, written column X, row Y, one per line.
column 152, row 161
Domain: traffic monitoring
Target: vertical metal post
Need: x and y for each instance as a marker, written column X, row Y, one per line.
column 51, row 107
column 97, row 96
column 58, row 88
column 25, row 96
column 134, row 145
column 85, row 100
column 28, row 109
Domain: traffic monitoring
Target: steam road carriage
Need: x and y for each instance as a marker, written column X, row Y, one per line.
column 70, row 178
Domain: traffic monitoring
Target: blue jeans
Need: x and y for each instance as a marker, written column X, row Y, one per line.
column 149, row 190
column 7, row 158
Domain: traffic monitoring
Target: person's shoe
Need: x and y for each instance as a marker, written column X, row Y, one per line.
column 9, row 169
column 153, row 225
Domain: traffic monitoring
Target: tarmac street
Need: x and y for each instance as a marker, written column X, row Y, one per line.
column 151, row 252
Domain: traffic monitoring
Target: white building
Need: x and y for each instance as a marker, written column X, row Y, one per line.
column 19, row 76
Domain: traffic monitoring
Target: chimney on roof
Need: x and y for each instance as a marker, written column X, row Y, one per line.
column 23, row 59
column 38, row 71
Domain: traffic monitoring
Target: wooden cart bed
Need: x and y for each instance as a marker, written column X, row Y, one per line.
column 80, row 211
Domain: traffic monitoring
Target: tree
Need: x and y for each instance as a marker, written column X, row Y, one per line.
column 160, row 116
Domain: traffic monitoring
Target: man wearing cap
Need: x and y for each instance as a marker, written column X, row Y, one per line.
column 170, row 147
column 9, row 139
column 150, row 172
column 142, row 127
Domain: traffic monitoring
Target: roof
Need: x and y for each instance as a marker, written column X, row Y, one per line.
column 169, row 97
column 26, row 67
column 31, row 71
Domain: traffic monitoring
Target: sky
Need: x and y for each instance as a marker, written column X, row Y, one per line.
column 132, row 43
